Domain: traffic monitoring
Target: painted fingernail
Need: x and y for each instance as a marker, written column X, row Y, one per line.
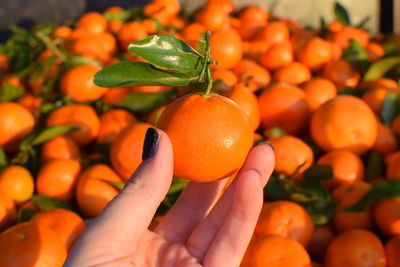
column 150, row 143
column 266, row 143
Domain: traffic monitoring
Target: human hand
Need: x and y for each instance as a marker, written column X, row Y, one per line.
column 203, row 228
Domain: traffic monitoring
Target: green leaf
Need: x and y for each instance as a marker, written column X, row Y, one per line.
column 178, row 184
column 275, row 189
column 355, row 52
column 117, row 185
column 3, row 159
column 275, row 132
column 46, row 134
column 390, row 107
column 75, row 60
column 358, row 92
column 363, row 23
column 167, row 52
column 124, row 15
column 139, row 73
column 341, row 14
column 25, row 215
column 318, row 172
column 139, row 101
column 374, row 166
column 202, row 44
column 45, row 203
column 9, row 92
column 380, row 68
column 323, row 27
column 384, row 190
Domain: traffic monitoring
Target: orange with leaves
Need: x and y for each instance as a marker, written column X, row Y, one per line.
column 318, row 91
column 276, row 251
column 355, row 248
column 78, row 84
column 284, row 106
column 58, row 179
column 112, row 123
column 287, row 219
column 17, row 183
column 344, row 122
column 346, row 166
column 67, row 224
column 126, row 149
column 342, row 73
column 291, row 154
column 94, row 190
column 16, row 121
column 346, row 195
column 206, row 147
column 81, row 116
column 392, row 249
column 62, row 147
column 247, row 102
column 40, row 244
column 387, row 216
column 279, row 55
column 226, row 48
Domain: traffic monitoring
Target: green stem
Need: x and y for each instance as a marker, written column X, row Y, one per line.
column 208, row 61
column 209, row 82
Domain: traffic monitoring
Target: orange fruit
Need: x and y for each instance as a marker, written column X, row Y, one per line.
column 93, row 192
column 346, row 195
column 344, row 122
column 16, row 182
column 130, row 32
column 67, row 224
column 293, row 73
column 286, row 219
column 78, row 83
column 16, row 121
column 386, row 141
column 226, row 48
column 375, row 51
column 277, row 56
column 335, row 26
column 342, row 73
column 81, row 116
column 278, row 251
column 150, row 88
column 315, row 53
column 192, row 33
column 126, row 149
column 99, row 46
column 343, row 36
column 227, row 6
column 31, row 244
column 375, row 97
column 252, row 20
column 227, row 77
column 274, row 32
column 248, row 70
column 162, row 10
column 32, row 103
column 393, row 166
column 62, row 32
column 61, row 147
column 254, row 49
column 58, row 179
column 284, row 106
column 8, row 212
column 210, row 135
column 355, row 248
column 114, row 96
column 247, row 102
column 387, row 216
column 213, row 18
column 392, row 249
column 93, row 22
column 346, row 166
column 318, row 91
column 291, row 153
column 322, row 237
column 112, row 123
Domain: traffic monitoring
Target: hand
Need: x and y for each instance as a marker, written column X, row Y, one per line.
column 203, row 228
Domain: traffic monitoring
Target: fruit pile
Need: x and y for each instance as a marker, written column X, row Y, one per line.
column 327, row 99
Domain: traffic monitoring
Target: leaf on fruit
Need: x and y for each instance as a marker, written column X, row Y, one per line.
column 46, row 134
column 341, row 14
column 139, row 101
column 45, row 203
column 374, row 167
column 9, row 92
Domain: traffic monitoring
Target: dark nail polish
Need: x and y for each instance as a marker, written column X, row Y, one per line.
column 150, row 143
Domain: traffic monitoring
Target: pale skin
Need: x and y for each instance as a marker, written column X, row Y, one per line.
column 206, row 226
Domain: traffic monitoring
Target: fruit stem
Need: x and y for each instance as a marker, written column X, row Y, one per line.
column 207, row 62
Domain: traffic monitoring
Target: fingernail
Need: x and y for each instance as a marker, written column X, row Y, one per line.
column 150, row 143
column 269, row 144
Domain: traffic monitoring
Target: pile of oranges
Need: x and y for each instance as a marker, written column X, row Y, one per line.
column 335, row 132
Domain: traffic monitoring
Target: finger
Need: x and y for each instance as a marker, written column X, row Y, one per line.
column 191, row 207
column 261, row 158
column 231, row 241
column 129, row 214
